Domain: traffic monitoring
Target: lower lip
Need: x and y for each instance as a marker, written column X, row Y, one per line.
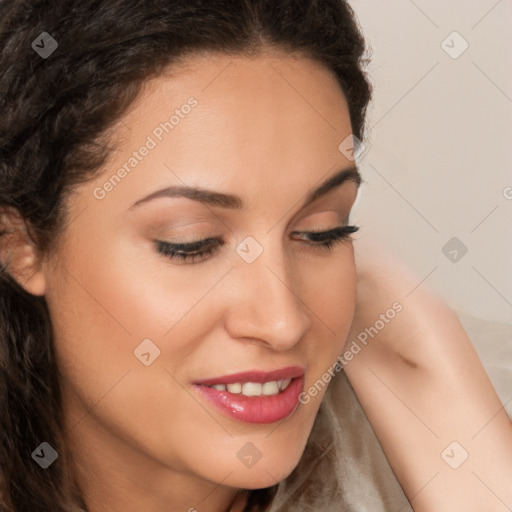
column 255, row 409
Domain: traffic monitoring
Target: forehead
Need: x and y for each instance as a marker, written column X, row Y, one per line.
column 236, row 123
column 270, row 87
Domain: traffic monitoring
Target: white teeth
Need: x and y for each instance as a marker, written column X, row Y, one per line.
column 270, row 388
column 285, row 384
column 255, row 388
column 234, row 388
column 251, row 389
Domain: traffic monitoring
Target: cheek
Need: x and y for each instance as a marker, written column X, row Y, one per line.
column 117, row 294
column 102, row 308
column 109, row 297
column 331, row 297
column 331, row 292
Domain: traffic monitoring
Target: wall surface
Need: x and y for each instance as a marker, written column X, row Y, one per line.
column 438, row 159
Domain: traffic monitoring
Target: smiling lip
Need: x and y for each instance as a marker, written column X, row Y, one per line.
column 255, row 409
column 255, row 376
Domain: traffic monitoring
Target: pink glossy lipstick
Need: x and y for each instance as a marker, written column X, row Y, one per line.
column 255, row 396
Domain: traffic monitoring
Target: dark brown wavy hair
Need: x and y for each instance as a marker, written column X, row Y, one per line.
column 55, row 117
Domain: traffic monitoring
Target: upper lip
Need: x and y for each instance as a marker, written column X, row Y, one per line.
column 289, row 372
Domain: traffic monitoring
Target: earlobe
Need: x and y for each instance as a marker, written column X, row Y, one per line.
column 18, row 253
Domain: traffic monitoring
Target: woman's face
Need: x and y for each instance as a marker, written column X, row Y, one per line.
column 136, row 329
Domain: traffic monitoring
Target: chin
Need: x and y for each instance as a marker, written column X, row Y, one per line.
column 260, row 479
column 266, row 473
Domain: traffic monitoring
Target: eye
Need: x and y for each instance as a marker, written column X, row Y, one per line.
column 326, row 239
column 200, row 250
column 193, row 252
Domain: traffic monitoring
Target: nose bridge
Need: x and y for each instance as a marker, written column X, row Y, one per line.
column 267, row 306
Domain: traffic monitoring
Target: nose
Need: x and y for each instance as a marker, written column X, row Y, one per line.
column 265, row 305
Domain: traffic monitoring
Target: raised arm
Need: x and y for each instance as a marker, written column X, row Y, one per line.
column 425, row 392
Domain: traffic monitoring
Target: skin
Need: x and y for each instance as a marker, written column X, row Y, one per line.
column 141, row 438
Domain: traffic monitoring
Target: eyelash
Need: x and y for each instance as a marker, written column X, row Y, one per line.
column 201, row 249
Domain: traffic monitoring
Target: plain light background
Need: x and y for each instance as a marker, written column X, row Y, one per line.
column 438, row 156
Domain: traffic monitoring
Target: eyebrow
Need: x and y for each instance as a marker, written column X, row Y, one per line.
column 222, row 200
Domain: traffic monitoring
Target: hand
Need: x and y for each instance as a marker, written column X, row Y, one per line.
column 425, row 392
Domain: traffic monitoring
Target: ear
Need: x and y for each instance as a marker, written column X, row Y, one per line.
column 19, row 254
